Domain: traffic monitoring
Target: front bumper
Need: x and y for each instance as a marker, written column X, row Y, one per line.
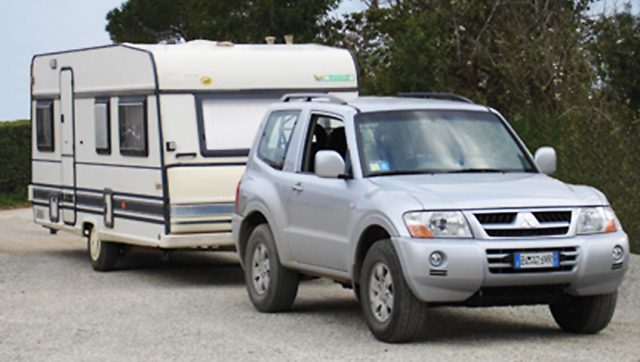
column 466, row 269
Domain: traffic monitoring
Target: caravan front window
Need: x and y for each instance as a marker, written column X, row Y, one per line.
column 44, row 126
column 132, row 119
column 102, row 126
column 229, row 122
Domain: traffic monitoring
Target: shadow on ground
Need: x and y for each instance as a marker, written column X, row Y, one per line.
column 177, row 267
column 447, row 325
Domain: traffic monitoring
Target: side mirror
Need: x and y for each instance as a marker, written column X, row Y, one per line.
column 329, row 164
column 545, row 158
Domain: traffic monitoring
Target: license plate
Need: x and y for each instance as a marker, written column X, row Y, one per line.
column 550, row 259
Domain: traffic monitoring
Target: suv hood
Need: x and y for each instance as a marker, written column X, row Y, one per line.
column 494, row 190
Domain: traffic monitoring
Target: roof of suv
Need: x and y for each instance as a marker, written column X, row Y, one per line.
column 379, row 104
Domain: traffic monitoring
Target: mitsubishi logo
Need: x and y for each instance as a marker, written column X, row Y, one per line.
column 526, row 220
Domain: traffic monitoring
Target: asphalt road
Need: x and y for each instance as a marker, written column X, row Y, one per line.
column 193, row 306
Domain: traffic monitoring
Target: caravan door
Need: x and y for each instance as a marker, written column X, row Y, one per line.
column 67, row 135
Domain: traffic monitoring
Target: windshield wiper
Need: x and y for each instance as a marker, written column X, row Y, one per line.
column 477, row 170
column 408, row 172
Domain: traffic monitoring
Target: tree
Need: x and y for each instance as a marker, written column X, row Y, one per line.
column 615, row 46
column 250, row 21
column 519, row 56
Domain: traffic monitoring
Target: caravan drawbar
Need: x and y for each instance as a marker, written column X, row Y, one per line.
column 144, row 144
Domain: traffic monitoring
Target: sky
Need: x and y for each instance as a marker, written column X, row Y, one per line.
column 29, row 27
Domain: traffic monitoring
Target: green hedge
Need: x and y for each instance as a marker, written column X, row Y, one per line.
column 15, row 162
column 597, row 151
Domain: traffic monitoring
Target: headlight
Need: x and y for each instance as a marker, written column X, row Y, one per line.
column 593, row 220
column 437, row 224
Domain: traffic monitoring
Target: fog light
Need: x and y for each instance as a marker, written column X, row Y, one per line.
column 436, row 258
column 618, row 253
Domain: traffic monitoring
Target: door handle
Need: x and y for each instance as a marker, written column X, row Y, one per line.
column 297, row 187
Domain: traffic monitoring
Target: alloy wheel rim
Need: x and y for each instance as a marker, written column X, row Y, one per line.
column 261, row 270
column 381, row 292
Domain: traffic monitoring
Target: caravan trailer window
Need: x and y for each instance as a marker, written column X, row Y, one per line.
column 132, row 121
column 44, row 126
column 230, row 123
column 102, row 127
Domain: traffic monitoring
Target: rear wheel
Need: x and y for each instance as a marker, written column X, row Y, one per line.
column 392, row 312
column 585, row 315
column 103, row 255
column 271, row 286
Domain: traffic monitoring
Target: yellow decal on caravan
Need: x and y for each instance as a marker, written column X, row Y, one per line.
column 206, row 80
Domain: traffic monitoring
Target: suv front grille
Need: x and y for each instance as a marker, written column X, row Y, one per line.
column 552, row 216
column 526, row 232
column 525, row 223
column 496, row 218
column 500, row 261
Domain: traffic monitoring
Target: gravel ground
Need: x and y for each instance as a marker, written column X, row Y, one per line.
column 193, row 306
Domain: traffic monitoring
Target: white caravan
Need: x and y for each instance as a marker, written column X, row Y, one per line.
column 144, row 144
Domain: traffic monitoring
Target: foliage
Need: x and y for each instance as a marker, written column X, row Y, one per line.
column 595, row 150
column 516, row 56
column 15, row 162
column 615, row 48
column 243, row 21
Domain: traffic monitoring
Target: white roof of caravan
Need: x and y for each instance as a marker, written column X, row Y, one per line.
column 203, row 65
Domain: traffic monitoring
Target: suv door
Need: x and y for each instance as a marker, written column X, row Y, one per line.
column 319, row 209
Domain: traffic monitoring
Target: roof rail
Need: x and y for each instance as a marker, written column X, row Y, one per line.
column 310, row 97
column 436, row 95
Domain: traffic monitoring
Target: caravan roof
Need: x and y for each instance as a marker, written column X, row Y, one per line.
column 198, row 65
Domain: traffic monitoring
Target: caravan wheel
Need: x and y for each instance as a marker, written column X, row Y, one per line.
column 103, row 255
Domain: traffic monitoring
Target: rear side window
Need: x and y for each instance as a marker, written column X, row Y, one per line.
column 132, row 122
column 276, row 136
column 44, row 126
column 102, row 126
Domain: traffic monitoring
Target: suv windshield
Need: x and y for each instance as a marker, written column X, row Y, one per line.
column 437, row 141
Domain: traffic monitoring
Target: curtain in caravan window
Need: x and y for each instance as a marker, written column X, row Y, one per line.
column 133, row 127
column 231, row 123
column 102, row 126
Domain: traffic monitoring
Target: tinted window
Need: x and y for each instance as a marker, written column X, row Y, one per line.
column 102, row 126
column 44, row 126
column 276, row 136
column 132, row 120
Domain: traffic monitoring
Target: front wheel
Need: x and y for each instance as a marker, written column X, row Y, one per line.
column 585, row 315
column 271, row 286
column 103, row 255
column 392, row 312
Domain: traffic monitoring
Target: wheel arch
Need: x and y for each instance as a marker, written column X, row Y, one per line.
column 249, row 223
column 366, row 239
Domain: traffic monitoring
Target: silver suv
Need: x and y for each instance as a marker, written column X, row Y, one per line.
column 416, row 203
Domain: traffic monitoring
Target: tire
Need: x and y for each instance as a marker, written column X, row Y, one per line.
column 403, row 318
column 584, row 315
column 271, row 287
column 103, row 255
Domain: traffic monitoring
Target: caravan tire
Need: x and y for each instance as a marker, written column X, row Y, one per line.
column 103, row 255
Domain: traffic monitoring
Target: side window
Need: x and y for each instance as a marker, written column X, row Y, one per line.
column 102, row 126
column 44, row 126
column 132, row 122
column 275, row 138
column 325, row 133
